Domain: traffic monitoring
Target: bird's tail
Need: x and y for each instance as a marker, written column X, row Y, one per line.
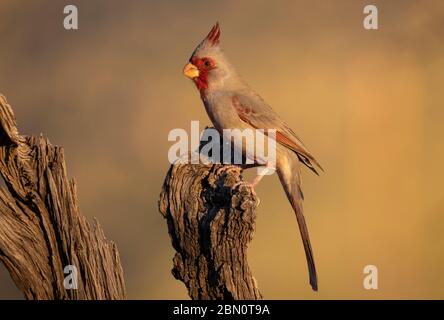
column 292, row 185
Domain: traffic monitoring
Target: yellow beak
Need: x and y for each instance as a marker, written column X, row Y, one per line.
column 190, row 71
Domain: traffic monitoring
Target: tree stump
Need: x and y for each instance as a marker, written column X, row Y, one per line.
column 41, row 228
column 211, row 216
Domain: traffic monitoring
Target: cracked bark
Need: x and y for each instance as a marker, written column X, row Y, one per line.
column 41, row 227
column 210, row 215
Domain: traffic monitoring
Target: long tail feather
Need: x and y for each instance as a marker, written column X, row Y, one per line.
column 291, row 182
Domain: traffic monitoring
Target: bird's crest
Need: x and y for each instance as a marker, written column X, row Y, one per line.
column 213, row 37
column 209, row 44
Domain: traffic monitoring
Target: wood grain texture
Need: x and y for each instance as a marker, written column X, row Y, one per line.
column 210, row 215
column 41, row 227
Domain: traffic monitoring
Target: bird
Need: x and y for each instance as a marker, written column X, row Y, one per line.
column 232, row 104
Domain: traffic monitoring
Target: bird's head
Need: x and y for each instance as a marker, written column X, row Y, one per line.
column 208, row 67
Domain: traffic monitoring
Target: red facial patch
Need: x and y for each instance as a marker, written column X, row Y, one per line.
column 204, row 65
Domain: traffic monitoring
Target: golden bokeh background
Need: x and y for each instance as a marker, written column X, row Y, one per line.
column 369, row 105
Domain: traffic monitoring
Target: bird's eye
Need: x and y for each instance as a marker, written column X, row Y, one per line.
column 207, row 63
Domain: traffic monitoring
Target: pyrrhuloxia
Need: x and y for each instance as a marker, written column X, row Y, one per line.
column 232, row 104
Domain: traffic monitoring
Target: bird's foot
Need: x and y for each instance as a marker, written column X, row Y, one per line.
column 249, row 185
column 263, row 171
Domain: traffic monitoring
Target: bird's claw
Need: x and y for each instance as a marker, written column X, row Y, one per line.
column 247, row 184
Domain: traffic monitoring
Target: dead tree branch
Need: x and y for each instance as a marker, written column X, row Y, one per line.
column 211, row 216
column 41, row 228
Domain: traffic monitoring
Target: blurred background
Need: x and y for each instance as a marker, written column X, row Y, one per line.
column 368, row 104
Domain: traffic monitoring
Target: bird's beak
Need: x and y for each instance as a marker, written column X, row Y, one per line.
column 191, row 71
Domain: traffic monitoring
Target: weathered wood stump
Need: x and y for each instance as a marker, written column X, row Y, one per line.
column 211, row 216
column 41, row 228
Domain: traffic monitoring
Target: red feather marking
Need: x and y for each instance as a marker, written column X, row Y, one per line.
column 284, row 140
column 213, row 36
column 242, row 110
column 204, row 65
column 246, row 113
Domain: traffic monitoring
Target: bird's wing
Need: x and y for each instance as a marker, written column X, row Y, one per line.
column 253, row 110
